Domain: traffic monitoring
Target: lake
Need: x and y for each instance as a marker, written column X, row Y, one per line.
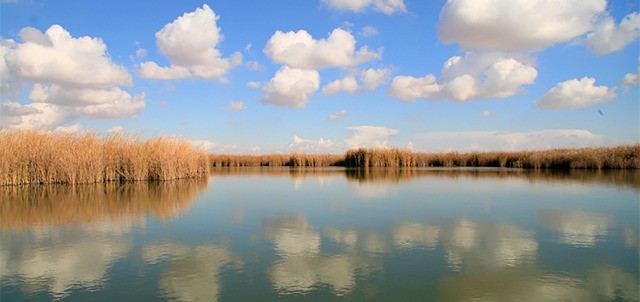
column 284, row 234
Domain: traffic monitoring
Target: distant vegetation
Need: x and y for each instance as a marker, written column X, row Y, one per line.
column 38, row 157
column 620, row 157
column 278, row 160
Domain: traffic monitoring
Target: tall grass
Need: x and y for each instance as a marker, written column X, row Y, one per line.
column 620, row 157
column 38, row 157
column 278, row 160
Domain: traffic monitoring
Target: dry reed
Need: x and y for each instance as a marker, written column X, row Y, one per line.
column 278, row 160
column 619, row 157
column 38, row 157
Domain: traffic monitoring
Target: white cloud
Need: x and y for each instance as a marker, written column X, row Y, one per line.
column 607, row 37
column 486, row 113
column 630, row 79
column 116, row 130
column 10, row 84
column 369, row 31
column 466, row 141
column 517, row 25
column 370, row 136
column 254, row 84
column 477, row 75
column 372, row 78
column 338, row 115
column 384, row 6
column 190, row 43
column 575, row 94
column 95, row 103
column 347, row 84
column 204, row 145
column 321, row 145
column 72, row 78
column 291, row 87
column 151, row 70
column 56, row 57
column 300, row 50
column 408, row 88
column 255, row 65
column 236, row 106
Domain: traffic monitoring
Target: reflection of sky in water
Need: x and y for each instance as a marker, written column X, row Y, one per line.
column 578, row 228
column 383, row 235
column 64, row 259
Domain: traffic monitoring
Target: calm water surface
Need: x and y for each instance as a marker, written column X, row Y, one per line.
column 329, row 234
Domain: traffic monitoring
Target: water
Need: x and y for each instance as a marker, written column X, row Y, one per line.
column 327, row 234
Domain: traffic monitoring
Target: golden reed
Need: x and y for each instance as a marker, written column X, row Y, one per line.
column 619, row 157
column 39, row 157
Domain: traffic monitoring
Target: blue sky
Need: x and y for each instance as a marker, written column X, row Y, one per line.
column 327, row 75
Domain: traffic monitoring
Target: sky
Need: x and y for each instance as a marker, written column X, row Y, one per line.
column 323, row 76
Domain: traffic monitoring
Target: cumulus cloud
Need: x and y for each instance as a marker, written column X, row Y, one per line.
column 338, row 115
column 236, row 106
column 370, row 136
column 520, row 25
column 291, row 87
column 575, row 94
column 298, row 144
column 347, row 84
column 204, row 145
column 57, row 58
column 486, row 113
column 476, row 75
column 300, row 50
column 502, row 140
column 72, row 78
column 190, row 43
column 370, row 79
column 374, row 77
column 607, row 37
column 384, row 6
column 630, row 79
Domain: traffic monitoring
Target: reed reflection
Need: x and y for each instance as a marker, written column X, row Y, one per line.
column 59, row 238
column 29, row 207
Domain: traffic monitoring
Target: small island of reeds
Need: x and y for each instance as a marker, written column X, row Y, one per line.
column 42, row 157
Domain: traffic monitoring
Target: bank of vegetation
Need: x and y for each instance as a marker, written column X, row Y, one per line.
column 39, row 157
column 618, row 157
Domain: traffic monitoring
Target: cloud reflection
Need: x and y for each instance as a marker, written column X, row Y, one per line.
column 302, row 266
column 580, row 229
column 60, row 260
column 193, row 272
column 601, row 284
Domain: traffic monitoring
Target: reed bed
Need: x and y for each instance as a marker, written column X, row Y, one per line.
column 619, row 157
column 278, row 160
column 39, row 157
